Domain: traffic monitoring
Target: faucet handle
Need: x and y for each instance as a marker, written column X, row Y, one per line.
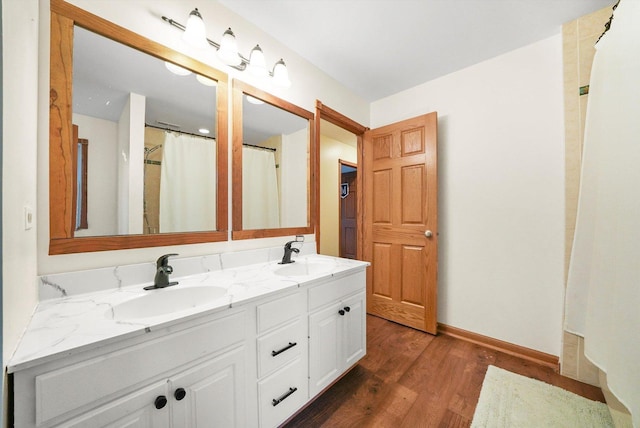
column 164, row 259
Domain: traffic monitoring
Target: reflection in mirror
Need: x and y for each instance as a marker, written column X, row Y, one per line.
column 272, row 165
column 116, row 108
column 155, row 173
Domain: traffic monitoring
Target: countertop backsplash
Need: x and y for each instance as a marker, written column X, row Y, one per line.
column 69, row 284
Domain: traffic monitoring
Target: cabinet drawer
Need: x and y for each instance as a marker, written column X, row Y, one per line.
column 282, row 394
column 323, row 294
column 68, row 388
column 279, row 347
column 279, row 311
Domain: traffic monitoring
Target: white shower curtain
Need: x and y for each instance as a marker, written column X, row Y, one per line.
column 603, row 290
column 188, row 183
column 260, row 201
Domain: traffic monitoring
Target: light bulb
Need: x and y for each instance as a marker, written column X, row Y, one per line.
column 257, row 64
column 195, row 33
column 281, row 75
column 228, row 51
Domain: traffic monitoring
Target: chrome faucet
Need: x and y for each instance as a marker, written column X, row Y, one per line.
column 163, row 270
column 288, row 249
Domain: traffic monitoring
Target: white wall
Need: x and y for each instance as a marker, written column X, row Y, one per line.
column 101, row 174
column 295, row 178
column 501, row 192
column 20, row 133
column 131, row 165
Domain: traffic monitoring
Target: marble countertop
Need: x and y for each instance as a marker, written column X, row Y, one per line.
column 80, row 322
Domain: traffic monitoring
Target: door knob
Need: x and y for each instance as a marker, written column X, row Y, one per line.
column 428, row 233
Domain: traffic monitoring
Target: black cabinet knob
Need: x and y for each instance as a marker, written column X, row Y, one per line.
column 341, row 312
column 180, row 393
column 347, row 308
column 160, row 402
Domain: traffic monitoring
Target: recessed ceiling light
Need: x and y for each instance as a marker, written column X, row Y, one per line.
column 203, row 131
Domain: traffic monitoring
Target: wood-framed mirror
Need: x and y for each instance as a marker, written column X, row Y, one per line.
column 146, row 126
column 273, row 165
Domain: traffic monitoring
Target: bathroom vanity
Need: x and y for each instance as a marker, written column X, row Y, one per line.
column 244, row 345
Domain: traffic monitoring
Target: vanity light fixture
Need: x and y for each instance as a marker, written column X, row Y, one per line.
column 195, row 34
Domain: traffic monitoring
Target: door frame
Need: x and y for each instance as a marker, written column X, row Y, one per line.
column 338, row 119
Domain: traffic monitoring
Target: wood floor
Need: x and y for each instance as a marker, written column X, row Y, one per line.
column 412, row 379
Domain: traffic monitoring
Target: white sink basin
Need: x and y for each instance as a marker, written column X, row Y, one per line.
column 165, row 301
column 304, row 268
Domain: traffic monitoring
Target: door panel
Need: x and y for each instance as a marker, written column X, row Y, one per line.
column 214, row 393
column 382, row 184
column 400, row 187
column 349, row 217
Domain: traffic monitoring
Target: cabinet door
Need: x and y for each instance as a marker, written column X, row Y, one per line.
column 210, row 394
column 136, row 410
column 354, row 335
column 324, row 348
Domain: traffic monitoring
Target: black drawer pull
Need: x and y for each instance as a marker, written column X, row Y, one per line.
column 347, row 308
column 289, row 346
column 283, row 397
column 341, row 312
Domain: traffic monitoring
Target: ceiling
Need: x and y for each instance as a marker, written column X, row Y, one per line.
column 377, row 48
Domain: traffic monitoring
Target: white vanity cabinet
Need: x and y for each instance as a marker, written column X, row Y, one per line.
column 281, row 344
column 184, row 376
column 337, row 329
column 250, row 362
column 209, row 394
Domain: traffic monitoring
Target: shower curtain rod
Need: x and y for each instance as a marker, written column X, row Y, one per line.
column 179, row 132
column 259, row 147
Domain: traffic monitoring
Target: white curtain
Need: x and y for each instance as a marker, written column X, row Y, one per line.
column 603, row 291
column 259, row 189
column 188, row 183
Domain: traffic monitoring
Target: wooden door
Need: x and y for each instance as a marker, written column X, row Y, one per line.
column 349, row 216
column 400, row 221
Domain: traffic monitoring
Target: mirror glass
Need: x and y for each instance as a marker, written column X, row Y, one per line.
column 272, row 160
column 152, row 140
column 150, row 119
